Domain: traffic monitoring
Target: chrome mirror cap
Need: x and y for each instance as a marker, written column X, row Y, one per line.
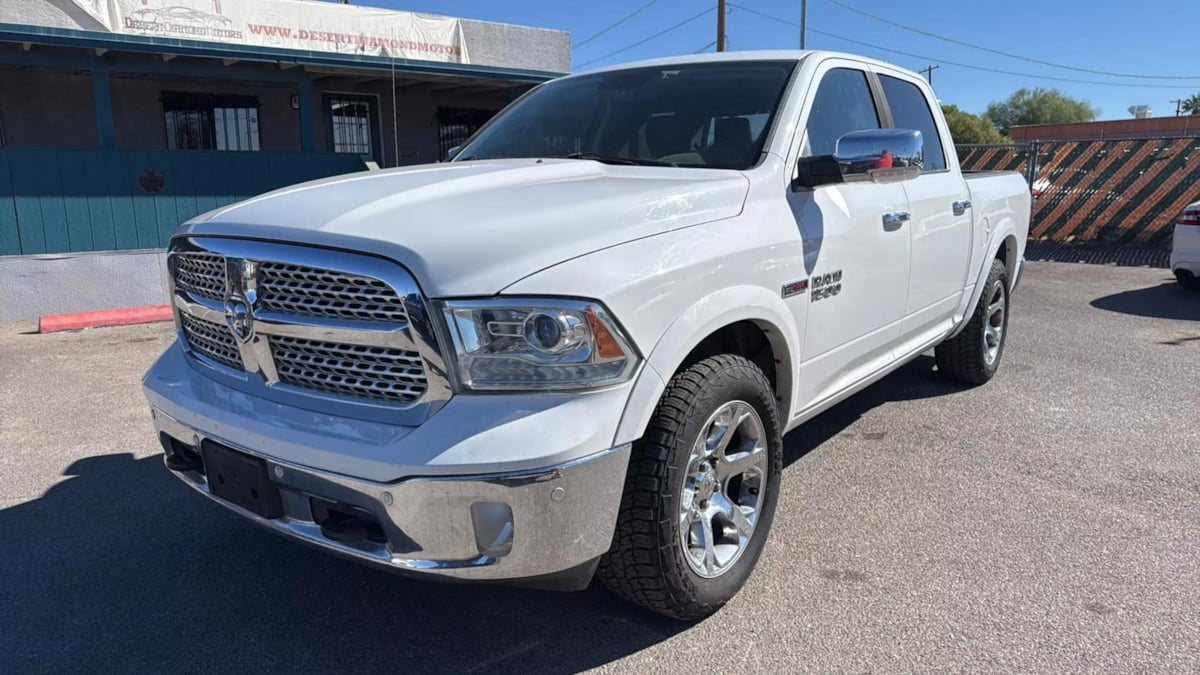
column 886, row 155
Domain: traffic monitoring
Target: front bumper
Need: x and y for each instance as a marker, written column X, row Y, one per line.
column 543, row 526
column 1185, row 249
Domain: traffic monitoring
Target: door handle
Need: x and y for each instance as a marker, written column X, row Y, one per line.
column 893, row 220
column 961, row 207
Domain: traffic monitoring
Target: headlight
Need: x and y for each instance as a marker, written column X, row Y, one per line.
column 526, row 343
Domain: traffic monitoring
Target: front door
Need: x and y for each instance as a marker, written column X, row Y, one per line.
column 354, row 125
column 857, row 266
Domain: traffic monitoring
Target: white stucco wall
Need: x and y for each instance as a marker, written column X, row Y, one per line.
column 50, row 13
column 34, row 285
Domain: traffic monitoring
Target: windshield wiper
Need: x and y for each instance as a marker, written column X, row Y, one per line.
column 605, row 159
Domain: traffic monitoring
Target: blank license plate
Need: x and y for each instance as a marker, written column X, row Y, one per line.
column 239, row 478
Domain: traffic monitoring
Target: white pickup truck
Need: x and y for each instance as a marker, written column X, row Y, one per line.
column 574, row 350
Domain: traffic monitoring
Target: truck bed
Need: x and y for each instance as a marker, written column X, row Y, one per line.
column 985, row 173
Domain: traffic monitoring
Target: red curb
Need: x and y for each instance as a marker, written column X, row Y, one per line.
column 105, row 317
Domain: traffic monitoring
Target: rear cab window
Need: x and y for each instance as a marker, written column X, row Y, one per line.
column 910, row 110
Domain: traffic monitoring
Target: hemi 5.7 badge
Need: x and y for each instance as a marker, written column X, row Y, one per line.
column 795, row 288
column 823, row 286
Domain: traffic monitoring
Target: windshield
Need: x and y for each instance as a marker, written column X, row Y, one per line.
column 714, row 115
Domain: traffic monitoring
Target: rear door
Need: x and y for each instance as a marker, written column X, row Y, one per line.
column 938, row 202
column 855, row 266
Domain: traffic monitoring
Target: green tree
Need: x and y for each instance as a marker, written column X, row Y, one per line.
column 1038, row 106
column 1191, row 105
column 966, row 128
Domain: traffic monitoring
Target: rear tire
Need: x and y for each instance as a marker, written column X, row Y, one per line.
column 700, row 492
column 1187, row 280
column 973, row 356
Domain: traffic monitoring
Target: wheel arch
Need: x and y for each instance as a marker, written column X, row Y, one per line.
column 1007, row 253
column 1004, row 247
column 744, row 320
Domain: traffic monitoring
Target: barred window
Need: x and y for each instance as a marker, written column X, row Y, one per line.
column 456, row 125
column 211, row 122
column 352, row 121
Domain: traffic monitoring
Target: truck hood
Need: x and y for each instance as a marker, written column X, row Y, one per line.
column 473, row 228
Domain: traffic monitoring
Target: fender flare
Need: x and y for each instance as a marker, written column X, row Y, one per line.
column 704, row 317
column 1005, row 230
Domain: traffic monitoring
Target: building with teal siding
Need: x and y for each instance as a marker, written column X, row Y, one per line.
column 120, row 119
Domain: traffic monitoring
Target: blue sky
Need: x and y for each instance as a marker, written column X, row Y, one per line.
column 1154, row 37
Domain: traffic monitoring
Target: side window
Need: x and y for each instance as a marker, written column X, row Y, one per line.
column 910, row 110
column 843, row 103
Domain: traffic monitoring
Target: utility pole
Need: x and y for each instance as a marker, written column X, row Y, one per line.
column 720, row 25
column 929, row 72
column 1178, row 105
column 803, row 20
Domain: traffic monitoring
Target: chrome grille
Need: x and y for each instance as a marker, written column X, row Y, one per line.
column 201, row 274
column 378, row 373
column 351, row 328
column 309, row 291
column 212, row 340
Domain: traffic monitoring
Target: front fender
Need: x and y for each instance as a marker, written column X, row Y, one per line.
column 703, row 318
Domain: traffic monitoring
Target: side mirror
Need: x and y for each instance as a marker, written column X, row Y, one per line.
column 813, row 172
column 452, row 152
column 883, row 155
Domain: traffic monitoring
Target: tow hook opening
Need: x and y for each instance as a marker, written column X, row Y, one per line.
column 346, row 524
column 181, row 457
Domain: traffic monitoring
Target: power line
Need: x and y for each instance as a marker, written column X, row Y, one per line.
column 618, row 23
column 997, row 70
column 642, row 42
column 706, row 47
column 955, row 63
column 1010, row 55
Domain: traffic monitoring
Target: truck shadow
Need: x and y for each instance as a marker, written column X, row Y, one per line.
column 1165, row 301
column 913, row 381
column 121, row 568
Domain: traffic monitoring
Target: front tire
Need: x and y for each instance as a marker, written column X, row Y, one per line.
column 973, row 356
column 700, row 492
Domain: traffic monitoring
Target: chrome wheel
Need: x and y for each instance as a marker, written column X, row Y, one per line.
column 993, row 322
column 722, row 493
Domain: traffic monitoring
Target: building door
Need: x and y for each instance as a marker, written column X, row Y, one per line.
column 354, row 125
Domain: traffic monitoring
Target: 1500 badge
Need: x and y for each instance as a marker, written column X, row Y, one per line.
column 826, row 285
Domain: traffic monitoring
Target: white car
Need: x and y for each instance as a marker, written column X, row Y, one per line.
column 574, row 350
column 1185, row 248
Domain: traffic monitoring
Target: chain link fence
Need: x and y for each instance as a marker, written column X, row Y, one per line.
column 1125, row 192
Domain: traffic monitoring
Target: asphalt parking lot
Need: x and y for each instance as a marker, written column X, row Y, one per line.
column 1049, row 521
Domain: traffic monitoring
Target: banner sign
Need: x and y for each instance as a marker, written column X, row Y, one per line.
column 97, row 9
column 290, row 24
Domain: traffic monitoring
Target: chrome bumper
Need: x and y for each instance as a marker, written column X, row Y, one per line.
column 499, row 527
